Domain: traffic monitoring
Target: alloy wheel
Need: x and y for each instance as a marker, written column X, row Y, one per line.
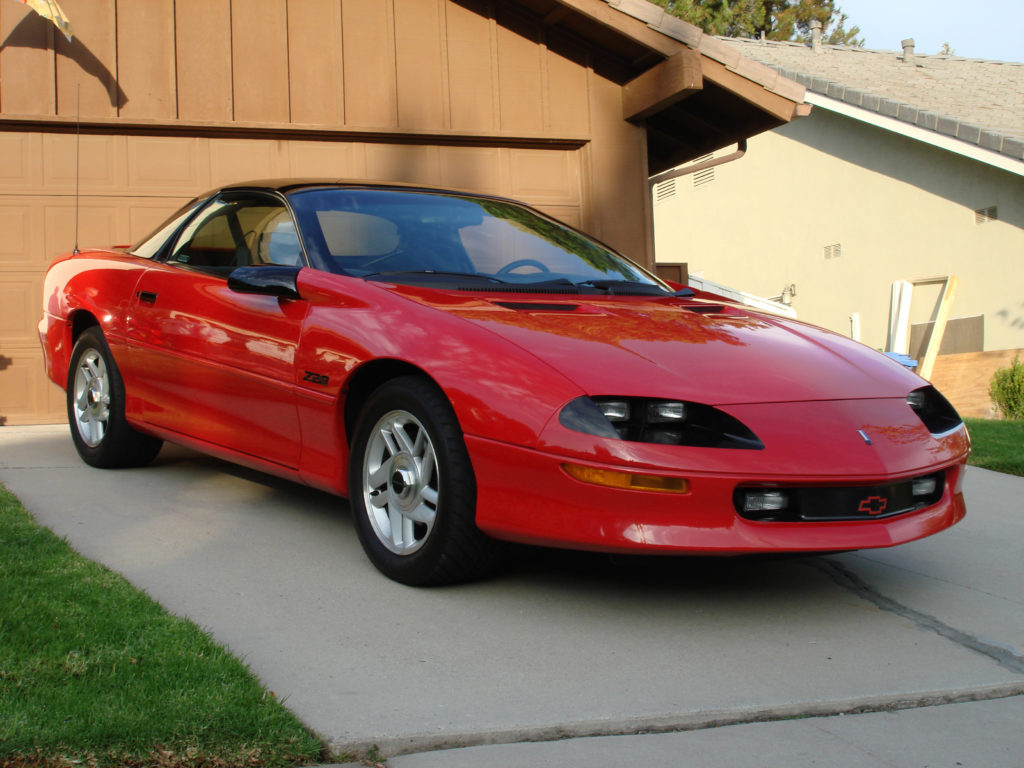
column 401, row 485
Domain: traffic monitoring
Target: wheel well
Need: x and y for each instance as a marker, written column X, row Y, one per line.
column 79, row 322
column 366, row 379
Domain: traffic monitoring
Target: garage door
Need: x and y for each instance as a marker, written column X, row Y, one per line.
column 127, row 184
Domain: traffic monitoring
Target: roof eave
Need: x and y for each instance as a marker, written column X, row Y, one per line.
column 947, row 142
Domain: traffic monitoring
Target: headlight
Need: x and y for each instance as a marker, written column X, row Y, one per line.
column 614, row 410
column 934, row 410
column 665, row 412
column 664, row 422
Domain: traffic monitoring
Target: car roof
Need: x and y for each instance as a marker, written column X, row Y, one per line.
column 286, row 185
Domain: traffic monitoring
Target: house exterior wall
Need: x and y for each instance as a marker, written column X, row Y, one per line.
column 897, row 208
column 178, row 96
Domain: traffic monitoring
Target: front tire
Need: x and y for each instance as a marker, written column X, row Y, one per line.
column 95, row 400
column 412, row 488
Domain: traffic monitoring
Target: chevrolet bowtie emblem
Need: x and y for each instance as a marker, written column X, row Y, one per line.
column 873, row 505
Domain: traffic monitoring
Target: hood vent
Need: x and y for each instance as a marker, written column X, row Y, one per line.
column 536, row 306
column 707, row 309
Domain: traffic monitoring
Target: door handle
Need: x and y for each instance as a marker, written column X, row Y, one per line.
column 146, row 296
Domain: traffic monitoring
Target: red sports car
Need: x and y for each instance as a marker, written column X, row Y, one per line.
column 468, row 371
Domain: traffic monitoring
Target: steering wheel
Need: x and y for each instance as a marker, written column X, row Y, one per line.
column 539, row 265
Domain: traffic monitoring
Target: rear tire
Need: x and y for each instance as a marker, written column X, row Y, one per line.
column 412, row 488
column 95, row 400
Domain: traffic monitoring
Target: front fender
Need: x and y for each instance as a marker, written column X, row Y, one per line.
column 498, row 390
column 98, row 283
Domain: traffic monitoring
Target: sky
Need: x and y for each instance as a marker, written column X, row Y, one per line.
column 990, row 29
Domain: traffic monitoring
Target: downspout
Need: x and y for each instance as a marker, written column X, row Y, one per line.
column 686, row 170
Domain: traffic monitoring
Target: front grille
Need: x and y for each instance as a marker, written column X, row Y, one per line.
column 832, row 503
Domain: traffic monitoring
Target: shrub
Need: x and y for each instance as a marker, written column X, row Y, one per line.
column 1007, row 390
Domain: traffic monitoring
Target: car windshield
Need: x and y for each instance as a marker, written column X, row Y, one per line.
column 453, row 241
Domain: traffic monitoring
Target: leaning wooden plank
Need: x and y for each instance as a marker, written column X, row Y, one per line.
column 941, row 316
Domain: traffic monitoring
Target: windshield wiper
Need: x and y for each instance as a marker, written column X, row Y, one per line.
column 625, row 288
column 431, row 276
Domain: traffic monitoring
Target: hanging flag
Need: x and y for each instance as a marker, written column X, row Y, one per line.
column 49, row 9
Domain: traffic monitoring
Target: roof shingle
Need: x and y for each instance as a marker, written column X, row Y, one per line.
column 977, row 101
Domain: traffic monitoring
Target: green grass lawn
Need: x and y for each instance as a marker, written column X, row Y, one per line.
column 94, row 673
column 997, row 445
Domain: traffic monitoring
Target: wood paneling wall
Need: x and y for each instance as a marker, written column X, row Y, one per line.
column 177, row 96
column 402, row 65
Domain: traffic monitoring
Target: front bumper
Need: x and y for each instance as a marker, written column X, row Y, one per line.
column 524, row 495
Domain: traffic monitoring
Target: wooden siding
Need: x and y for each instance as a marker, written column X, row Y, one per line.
column 409, row 65
column 175, row 97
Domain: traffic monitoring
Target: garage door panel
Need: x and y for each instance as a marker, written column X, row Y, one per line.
column 324, row 158
column 20, row 307
column 566, row 213
column 545, row 176
column 244, row 160
column 27, row 396
column 98, row 160
column 161, row 164
column 21, row 156
column 413, row 164
column 477, row 169
column 145, row 216
column 97, row 226
column 21, row 241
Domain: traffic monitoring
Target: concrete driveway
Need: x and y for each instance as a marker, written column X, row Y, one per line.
column 564, row 648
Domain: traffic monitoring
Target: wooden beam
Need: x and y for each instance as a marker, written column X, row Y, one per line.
column 662, row 85
column 777, row 106
column 617, row 21
column 556, row 15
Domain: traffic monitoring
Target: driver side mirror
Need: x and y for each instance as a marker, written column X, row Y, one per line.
column 267, row 281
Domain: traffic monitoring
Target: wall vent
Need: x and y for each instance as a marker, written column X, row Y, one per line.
column 664, row 190
column 705, row 177
column 833, row 251
column 983, row 215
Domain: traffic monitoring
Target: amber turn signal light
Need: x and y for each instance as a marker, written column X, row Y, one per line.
column 630, row 481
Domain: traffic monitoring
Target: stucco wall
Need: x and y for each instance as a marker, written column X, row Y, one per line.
column 898, row 208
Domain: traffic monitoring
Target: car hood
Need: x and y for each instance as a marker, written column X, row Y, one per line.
column 684, row 348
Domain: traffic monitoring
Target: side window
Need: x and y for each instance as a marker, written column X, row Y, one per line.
column 278, row 242
column 154, row 243
column 238, row 233
column 208, row 242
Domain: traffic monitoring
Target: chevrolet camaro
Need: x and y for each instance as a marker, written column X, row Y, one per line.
column 468, row 371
